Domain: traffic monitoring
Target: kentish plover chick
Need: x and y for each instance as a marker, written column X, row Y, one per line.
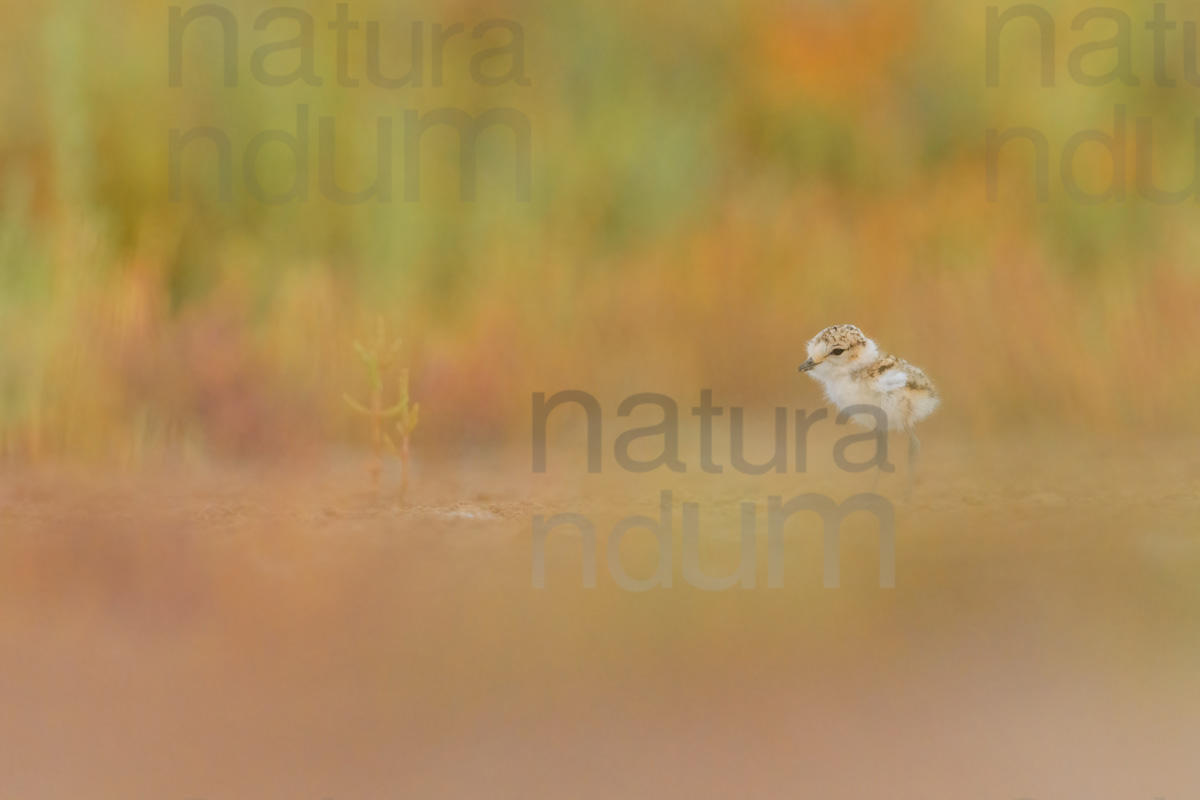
column 853, row 371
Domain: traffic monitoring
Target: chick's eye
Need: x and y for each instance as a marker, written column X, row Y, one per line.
column 837, row 351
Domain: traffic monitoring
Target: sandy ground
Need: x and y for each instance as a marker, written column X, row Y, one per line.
column 261, row 633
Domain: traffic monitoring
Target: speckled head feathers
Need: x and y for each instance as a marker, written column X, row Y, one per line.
column 838, row 347
column 844, row 336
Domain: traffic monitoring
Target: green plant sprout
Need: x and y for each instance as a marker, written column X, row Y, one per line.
column 377, row 360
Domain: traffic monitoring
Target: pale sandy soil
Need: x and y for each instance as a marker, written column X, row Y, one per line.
column 269, row 634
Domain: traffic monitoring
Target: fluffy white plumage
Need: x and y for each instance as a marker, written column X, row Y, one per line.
column 853, row 372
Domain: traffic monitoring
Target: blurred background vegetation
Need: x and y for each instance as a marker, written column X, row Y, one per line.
column 712, row 184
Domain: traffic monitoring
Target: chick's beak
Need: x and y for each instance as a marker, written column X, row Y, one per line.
column 807, row 365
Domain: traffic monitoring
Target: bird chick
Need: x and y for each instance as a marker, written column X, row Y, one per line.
column 853, row 371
